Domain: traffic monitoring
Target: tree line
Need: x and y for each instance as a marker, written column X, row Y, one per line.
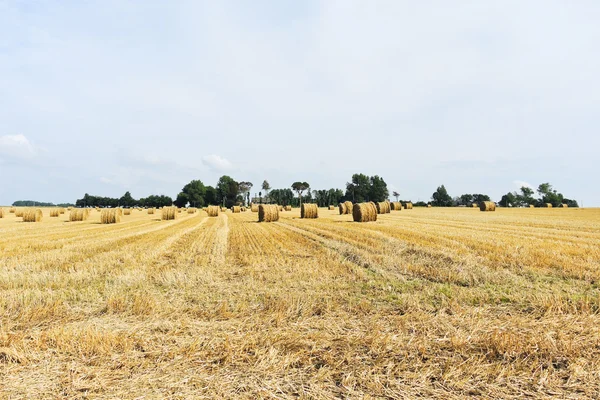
column 361, row 188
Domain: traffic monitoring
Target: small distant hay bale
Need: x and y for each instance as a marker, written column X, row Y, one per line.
column 309, row 210
column 12, row 210
column 32, row 215
column 268, row 213
column 169, row 213
column 79, row 214
column 213, row 211
column 254, row 207
column 61, row 210
column 364, row 212
column 151, row 211
column 563, row 205
column 191, row 210
column 331, row 208
column 236, row 209
column 1, row 212
column 288, row 208
column 127, row 211
column 531, row 206
column 428, row 205
column 487, row 206
column 408, row 206
column 110, row 216
column 548, row 205
column 475, row 205
column 223, row 209
column 243, row 209
column 19, row 212
column 55, row 212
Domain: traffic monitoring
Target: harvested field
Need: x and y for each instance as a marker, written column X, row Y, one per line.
column 434, row 303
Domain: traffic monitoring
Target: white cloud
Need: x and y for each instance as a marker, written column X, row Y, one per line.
column 217, row 163
column 16, row 147
column 519, row 184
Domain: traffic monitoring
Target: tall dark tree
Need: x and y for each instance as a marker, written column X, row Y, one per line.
column 227, row 191
column 358, row 189
column 192, row 193
column 396, row 195
column 378, row 190
column 441, row 198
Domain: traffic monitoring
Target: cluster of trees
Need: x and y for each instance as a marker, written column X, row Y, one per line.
column 227, row 192
column 124, row 201
column 546, row 194
column 33, row 203
column 366, row 188
column 441, row 198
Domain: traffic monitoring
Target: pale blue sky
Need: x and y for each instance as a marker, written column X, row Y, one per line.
column 108, row 96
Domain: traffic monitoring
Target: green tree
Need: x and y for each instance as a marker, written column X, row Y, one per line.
column 266, row 187
column 245, row 188
column 396, row 195
column 227, row 191
column 211, row 196
column 441, row 198
column 358, row 189
column 300, row 187
column 378, row 190
column 508, row 200
column 126, row 200
column 192, row 193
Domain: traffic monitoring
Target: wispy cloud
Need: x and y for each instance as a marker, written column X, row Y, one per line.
column 217, row 163
column 16, row 147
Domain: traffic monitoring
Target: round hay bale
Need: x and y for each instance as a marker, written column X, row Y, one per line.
column 79, row 214
column 331, row 208
column 151, row 211
column 61, row 210
column 475, row 205
column 288, row 208
column 531, row 206
column 487, row 206
column 268, row 213
column 127, row 211
column 254, row 207
column 380, row 207
column 428, row 205
column 564, row 205
column 55, row 212
column 408, row 206
column 110, row 216
column 1, row 212
column 349, row 206
column 213, row 211
column 548, row 205
column 343, row 209
column 169, row 213
column 12, row 210
column 223, row 209
column 309, row 210
column 236, row 209
column 19, row 212
column 364, row 212
column 396, row 206
column 32, row 215
column 191, row 210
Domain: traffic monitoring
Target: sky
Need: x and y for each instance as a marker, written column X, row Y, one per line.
column 108, row 96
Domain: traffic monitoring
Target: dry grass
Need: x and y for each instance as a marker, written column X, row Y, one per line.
column 308, row 210
column 268, row 213
column 442, row 303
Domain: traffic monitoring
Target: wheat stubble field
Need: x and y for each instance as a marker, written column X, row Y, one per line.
column 434, row 303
